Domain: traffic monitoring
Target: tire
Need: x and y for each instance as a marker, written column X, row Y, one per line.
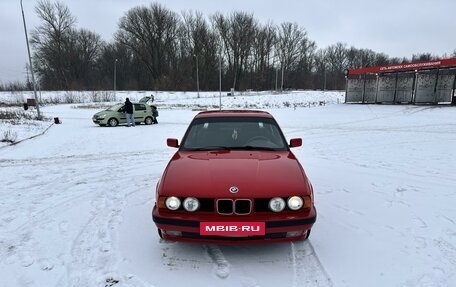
column 148, row 120
column 307, row 235
column 112, row 122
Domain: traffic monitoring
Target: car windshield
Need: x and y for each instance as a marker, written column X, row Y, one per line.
column 234, row 133
column 115, row 108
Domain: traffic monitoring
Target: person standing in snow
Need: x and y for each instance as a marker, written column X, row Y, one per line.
column 129, row 112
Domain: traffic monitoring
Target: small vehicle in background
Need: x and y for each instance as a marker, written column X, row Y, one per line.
column 115, row 115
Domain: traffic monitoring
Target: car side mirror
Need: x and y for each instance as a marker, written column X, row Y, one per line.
column 172, row 142
column 296, row 142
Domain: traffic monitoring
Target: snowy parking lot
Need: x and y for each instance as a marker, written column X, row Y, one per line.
column 75, row 202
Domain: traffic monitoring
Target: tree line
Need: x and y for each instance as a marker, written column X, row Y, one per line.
column 155, row 48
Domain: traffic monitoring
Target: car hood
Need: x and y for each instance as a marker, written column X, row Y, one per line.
column 106, row 111
column 254, row 173
column 102, row 112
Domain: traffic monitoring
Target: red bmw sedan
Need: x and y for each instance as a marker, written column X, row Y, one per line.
column 234, row 179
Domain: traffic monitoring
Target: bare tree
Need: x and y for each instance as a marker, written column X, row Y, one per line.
column 199, row 47
column 307, row 54
column 337, row 62
column 151, row 33
column 320, row 70
column 423, row 57
column 50, row 39
column 293, row 48
column 237, row 33
column 289, row 39
column 381, row 59
column 262, row 57
column 83, row 51
column 303, row 74
column 66, row 58
column 157, row 48
column 357, row 58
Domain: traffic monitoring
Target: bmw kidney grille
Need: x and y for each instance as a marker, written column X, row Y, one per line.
column 237, row 206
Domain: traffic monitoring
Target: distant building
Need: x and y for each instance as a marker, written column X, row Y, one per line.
column 432, row 82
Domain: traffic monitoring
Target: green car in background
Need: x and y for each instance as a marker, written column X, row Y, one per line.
column 115, row 115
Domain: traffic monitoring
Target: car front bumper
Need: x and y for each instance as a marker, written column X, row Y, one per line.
column 277, row 228
column 99, row 121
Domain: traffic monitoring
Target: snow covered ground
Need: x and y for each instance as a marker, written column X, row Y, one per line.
column 75, row 202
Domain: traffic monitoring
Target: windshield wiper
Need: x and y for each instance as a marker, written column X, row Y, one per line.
column 249, row 147
column 209, row 148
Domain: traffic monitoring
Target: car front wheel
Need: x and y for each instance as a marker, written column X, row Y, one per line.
column 113, row 122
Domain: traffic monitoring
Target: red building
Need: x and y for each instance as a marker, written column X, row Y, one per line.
column 431, row 82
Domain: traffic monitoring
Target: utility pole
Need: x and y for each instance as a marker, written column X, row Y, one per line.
column 220, row 80
column 282, row 80
column 115, row 77
column 277, row 76
column 197, row 76
column 31, row 65
column 324, row 82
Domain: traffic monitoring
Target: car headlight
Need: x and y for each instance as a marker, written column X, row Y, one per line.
column 191, row 204
column 295, row 203
column 173, row 203
column 102, row 116
column 277, row 204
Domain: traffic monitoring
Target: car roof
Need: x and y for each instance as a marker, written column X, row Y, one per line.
column 233, row 113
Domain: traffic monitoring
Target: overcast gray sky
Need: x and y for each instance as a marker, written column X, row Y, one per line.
column 398, row 28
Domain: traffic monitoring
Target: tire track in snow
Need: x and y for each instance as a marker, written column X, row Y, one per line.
column 222, row 265
column 82, row 158
column 59, row 188
column 92, row 249
column 304, row 266
column 94, row 257
column 34, row 212
column 307, row 267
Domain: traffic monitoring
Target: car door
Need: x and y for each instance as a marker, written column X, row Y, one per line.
column 121, row 116
column 140, row 112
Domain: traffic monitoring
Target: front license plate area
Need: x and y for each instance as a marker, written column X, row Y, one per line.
column 233, row 229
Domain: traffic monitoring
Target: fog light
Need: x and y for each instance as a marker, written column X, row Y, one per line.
column 295, row 233
column 173, row 233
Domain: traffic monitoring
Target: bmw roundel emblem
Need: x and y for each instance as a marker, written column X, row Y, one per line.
column 234, row 189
